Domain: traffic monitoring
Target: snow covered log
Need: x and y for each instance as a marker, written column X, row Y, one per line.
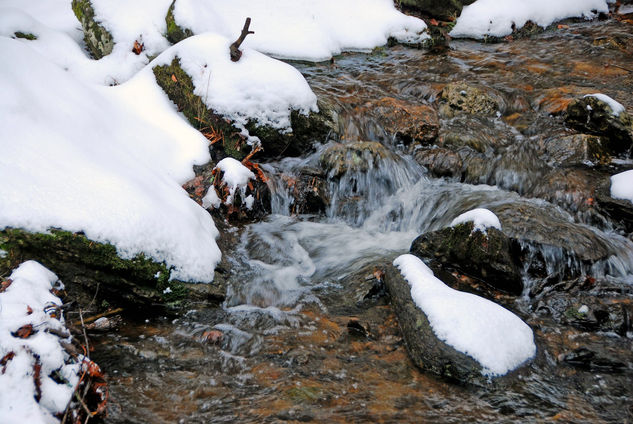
column 455, row 335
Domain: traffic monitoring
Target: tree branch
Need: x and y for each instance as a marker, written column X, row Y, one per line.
column 235, row 47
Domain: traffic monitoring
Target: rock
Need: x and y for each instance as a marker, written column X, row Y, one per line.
column 489, row 256
column 226, row 139
column 619, row 210
column 174, row 32
column 585, row 358
column 92, row 267
column 573, row 189
column 309, row 191
column 408, row 122
column 575, row 150
column 98, row 40
column 425, row 350
column 462, row 98
column 594, row 116
column 444, row 9
column 356, row 156
column 440, row 162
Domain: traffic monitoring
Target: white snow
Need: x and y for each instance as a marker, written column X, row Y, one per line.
column 616, row 107
column 493, row 336
column 302, row 29
column 31, row 288
column 496, row 17
column 622, row 186
column 236, row 177
column 256, row 87
column 583, row 309
column 108, row 161
column 481, row 219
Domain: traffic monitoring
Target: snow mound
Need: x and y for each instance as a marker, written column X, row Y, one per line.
column 303, row 29
column 30, row 290
column 256, row 87
column 495, row 337
column 481, row 219
column 108, row 161
column 235, row 177
column 616, row 107
column 622, row 186
column 497, row 17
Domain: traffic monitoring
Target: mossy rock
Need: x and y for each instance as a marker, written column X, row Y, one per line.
column 460, row 97
column 25, row 35
column 89, row 266
column 178, row 86
column 175, row 33
column 490, row 256
column 98, row 40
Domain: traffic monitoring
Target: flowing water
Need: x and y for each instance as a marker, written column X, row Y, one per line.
column 306, row 332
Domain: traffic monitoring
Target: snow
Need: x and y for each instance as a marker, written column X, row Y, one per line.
column 108, row 161
column 303, row 29
column 616, row 108
column 256, row 87
column 496, row 17
column 583, row 309
column 481, row 219
column 622, row 186
column 31, row 288
column 493, row 336
column 236, row 177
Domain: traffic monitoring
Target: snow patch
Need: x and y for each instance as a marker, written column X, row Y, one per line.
column 236, row 177
column 616, row 108
column 622, row 186
column 481, row 218
column 497, row 17
column 495, row 337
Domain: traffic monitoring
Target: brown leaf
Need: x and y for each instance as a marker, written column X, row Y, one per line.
column 5, row 285
column 138, row 47
column 24, row 332
column 212, row 336
column 29, row 310
column 5, row 359
column 37, row 370
column 173, row 78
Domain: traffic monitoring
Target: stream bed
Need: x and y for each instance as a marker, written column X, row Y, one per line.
column 307, row 333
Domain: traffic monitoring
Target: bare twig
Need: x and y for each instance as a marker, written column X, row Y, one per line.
column 235, row 47
column 96, row 317
column 620, row 67
column 255, row 149
column 83, row 328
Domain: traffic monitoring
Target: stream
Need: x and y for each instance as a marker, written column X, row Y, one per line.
column 307, row 334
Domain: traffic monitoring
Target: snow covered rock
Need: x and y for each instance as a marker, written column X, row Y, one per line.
column 240, row 104
column 456, row 335
column 462, row 98
column 437, row 8
column 481, row 218
column 489, row 256
column 601, row 115
column 97, row 38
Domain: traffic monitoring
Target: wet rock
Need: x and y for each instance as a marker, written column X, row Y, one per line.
column 358, row 329
column 92, row 267
column 437, row 8
column 554, row 101
column 404, row 120
column 356, row 156
column 175, row 33
column 97, row 38
column 592, row 115
column 572, row 189
column 309, row 191
column 480, row 134
column 619, row 210
column 226, row 139
column 487, row 256
column 440, row 162
column 575, row 150
column 460, row 97
column 585, row 358
column 425, row 350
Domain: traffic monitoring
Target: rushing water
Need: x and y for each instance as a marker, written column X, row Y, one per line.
column 287, row 351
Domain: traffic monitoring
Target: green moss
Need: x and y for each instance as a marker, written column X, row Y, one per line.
column 98, row 40
column 175, row 33
column 25, row 35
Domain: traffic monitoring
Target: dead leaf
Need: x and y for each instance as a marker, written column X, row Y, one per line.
column 24, row 332
column 29, row 310
column 138, row 47
column 173, row 78
column 5, row 285
column 212, row 336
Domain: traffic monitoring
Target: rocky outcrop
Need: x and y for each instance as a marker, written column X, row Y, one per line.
column 443, row 9
column 98, row 40
column 489, row 256
column 226, row 138
column 594, row 116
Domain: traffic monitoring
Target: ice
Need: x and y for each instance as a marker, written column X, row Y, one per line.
column 493, row 336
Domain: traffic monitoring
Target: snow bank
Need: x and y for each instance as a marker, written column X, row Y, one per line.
column 489, row 333
column 302, row 29
column 256, row 87
column 108, row 161
column 481, row 219
column 622, row 186
column 496, row 17
column 30, row 291
column 616, row 108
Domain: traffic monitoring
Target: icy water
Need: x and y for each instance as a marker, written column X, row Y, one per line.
column 306, row 333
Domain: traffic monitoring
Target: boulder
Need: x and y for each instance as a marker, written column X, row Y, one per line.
column 97, row 38
column 443, row 9
column 440, row 162
column 594, row 115
column 489, row 256
column 462, row 98
column 356, row 156
column 575, row 150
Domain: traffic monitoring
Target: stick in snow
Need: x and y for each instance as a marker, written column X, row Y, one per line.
column 235, row 47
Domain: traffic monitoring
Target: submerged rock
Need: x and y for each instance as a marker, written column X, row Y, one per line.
column 357, row 156
column 489, row 256
column 460, row 97
column 596, row 115
column 98, row 40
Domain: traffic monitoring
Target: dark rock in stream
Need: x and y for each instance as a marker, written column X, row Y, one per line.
column 592, row 115
column 357, row 156
column 489, row 256
column 440, row 162
column 462, row 98
column 619, row 210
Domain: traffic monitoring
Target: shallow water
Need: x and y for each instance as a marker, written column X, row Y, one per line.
column 287, row 351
